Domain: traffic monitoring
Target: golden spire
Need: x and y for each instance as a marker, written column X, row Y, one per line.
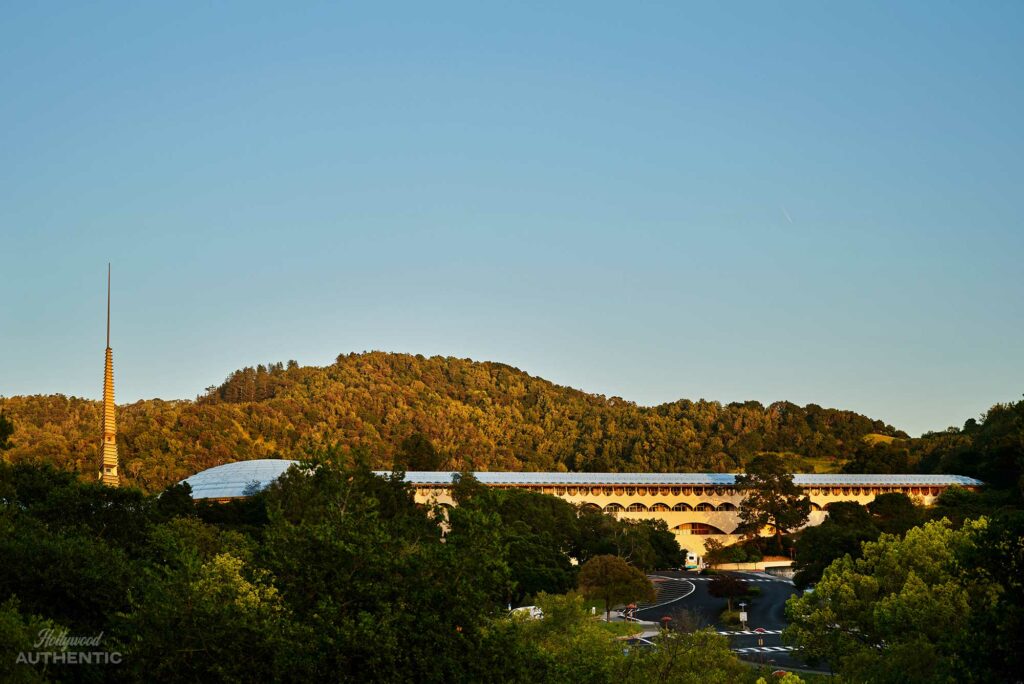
column 108, row 447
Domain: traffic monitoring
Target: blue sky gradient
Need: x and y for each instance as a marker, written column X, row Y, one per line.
column 811, row 201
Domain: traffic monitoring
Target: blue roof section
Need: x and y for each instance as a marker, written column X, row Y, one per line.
column 577, row 479
column 691, row 479
column 244, row 477
column 828, row 480
column 236, row 479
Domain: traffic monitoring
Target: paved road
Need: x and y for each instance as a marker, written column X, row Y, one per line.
column 687, row 591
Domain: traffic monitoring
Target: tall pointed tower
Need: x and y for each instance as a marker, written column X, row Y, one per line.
column 108, row 447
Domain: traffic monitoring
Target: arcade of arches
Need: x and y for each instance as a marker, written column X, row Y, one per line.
column 694, row 513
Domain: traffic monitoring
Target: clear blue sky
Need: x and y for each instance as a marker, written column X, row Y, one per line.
column 819, row 202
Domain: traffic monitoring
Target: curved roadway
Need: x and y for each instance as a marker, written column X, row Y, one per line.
column 688, row 591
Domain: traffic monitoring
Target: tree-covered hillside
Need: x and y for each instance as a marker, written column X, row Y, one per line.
column 477, row 415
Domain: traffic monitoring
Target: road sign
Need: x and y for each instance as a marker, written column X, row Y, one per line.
column 743, row 616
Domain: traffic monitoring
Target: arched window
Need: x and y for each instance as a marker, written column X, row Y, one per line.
column 687, row 491
column 445, row 510
column 596, row 491
column 726, row 507
column 630, row 491
column 676, row 490
column 704, row 506
column 636, row 508
column 682, row 507
column 560, row 491
column 618, row 491
column 612, row 508
column 571, row 491
column 815, row 507
column 591, row 507
column 698, row 528
column 659, row 507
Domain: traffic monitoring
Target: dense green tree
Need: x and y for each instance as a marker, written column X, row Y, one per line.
column 882, row 457
column 701, row 657
column 613, row 580
column 991, row 450
column 572, row 643
column 466, row 488
column 416, row 452
column 68, row 548
column 894, row 512
column 771, row 499
column 539, row 531
column 906, row 610
column 647, row 544
column 594, row 534
column 19, row 633
column 995, row 561
column 665, row 544
column 847, row 527
column 365, row 570
column 175, row 501
column 959, row 504
column 193, row 618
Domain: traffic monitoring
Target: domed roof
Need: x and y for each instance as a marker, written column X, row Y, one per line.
column 236, row 479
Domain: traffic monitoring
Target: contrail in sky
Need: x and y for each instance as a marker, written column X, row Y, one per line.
column 786, row 214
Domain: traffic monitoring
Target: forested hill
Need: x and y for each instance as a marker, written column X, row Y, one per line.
column 478, row 415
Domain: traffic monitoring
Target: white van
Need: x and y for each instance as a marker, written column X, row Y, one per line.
column 532, row 612
column 692, row 561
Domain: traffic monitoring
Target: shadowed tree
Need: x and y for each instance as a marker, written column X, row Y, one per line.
column 894, row 513
column 772, row 499
column 6, row 430
column 727, row 587
column 613, row 580
column 416, row 452
column 848, row 526
column 700, row 657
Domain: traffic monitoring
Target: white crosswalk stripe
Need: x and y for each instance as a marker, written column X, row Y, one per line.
column 763, row 649
column 751, row 632
column 741, row 579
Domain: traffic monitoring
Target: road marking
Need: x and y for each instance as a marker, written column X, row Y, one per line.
column 748, row 632
column 741, row 579
column 693, row 588
column 763, row 649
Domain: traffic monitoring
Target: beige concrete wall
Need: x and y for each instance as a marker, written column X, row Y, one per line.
column 604, row 496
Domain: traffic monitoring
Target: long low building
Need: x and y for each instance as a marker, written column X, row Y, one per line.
column 696, row 506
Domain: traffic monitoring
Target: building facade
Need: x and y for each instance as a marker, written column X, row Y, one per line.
column 695, row 506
